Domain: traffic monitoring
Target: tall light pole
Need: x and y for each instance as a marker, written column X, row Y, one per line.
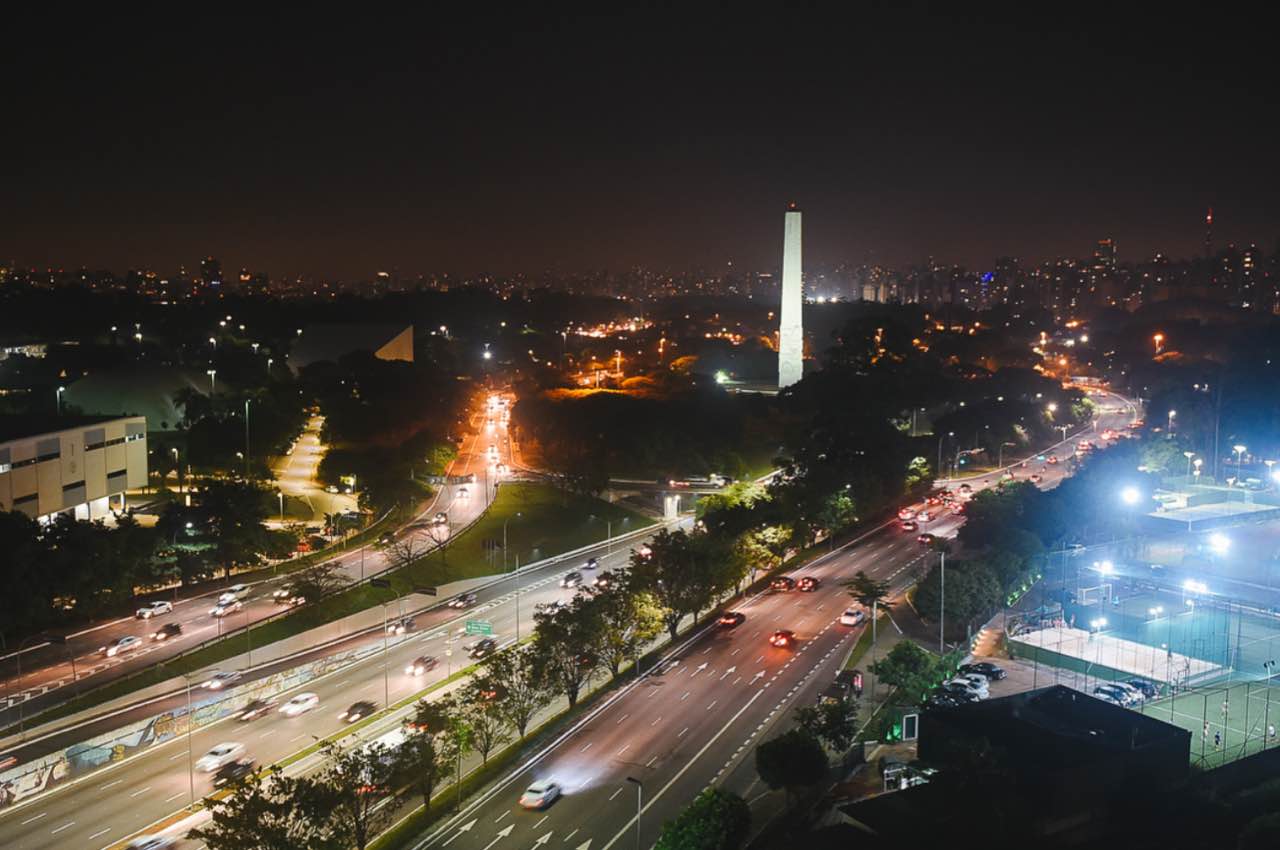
column 1169, row 427
column 504, row 540
column 386, row 690
column 61, row 390
column 246, row 438
column 639, row 805
column 1239, row 450
column 942, row 604
column 212, row 373
column 1188, row 456
column 1000, row 458
column 280, row 496
column 191, row 722
column 940, row 439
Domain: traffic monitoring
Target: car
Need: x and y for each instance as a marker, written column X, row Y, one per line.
column 386, row 538
column 484, row 648
column 591, row 563
column 153, row 609
column 120, row 646
column 552, row 606
column 1051, row 460
column 853, row 617
column 300, row 704
column 151, row 842
column 493, row 451
column 399, row 627
column 1107, row 696
column 783, row 583
column 965, row 489
column 978, row 680
column 571, row 579
column 809, row 584
column 357, row 710
column 1118, row 694
column 540, row 794
column 604, row 580
column 926, row 539
column 464, row 493
column 958, row 692
column 167, row 631
column 984, row 668
column 441, row 518
column 222, row 609
column 978, row 690
column 232, row 772
column 731, row 619
column 909, row 525
column 1035, row 478
column 924, row 516
column 783, row 638
column 283, row 594
column 235, row 591
column 463, row 600
column 1149, row 690
column 942, row 699
column 218, row 755
column 422, row 664
column 221, row 678
column 502, row 469
column 644, row 551
column 255, row 708
column 332, row 488
column 1128, row 693
column 906, row 514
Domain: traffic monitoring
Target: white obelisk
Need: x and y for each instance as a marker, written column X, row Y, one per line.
column 790, row 326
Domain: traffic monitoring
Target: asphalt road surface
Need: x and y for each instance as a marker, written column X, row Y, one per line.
column 47, row 672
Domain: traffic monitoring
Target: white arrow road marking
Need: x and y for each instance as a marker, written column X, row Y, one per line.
column 586, row 845
column 698, row 669
column 503, row 833
column 464, row 828
column 759, row 675
column 544, row 839
column 728, row 672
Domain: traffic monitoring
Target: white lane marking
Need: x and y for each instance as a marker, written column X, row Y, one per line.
column 541, row 822
column 656, row 720
column 173, row 757
column 650, row 762
column 34, row 819
column 588, row 746
column 570, row 835
column 69, row 823
column 503, row 815
column 140, row 791
column 713, row 705
column 682, row 731
column 616, row 793
column 99, row 832
column 625, row 747
column 174, row 797
column 622, row 718
column 686, row 696
column 113, row 784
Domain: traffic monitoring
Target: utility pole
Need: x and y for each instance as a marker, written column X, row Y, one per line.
column 942, row 607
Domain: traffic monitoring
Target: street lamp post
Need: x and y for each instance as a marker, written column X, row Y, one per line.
column 1000, row 458
column 212, row 373
column 1188, row 456
column 504, row 540
column 61, row 390
column 639, row 805
column 1169, row 426
column 940, row 439
column 1239, row 450
column 191, row 722
column 280, row 496
column 942, row 604
column 246, row 438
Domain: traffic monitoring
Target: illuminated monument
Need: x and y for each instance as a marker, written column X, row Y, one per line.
column 790, row 326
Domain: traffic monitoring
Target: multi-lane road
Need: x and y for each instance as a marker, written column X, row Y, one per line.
column 689, row 724
column 47, row 671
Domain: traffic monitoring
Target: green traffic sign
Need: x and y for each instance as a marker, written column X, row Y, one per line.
column 479, row 627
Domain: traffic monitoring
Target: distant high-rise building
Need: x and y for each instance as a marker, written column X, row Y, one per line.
column 211, row 272
column 790, row 323
column 1104, row 256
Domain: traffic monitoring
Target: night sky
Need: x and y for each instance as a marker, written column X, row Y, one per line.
column 298, row 144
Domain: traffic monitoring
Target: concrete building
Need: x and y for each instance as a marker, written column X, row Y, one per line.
column 70, row 464
column 790, row 321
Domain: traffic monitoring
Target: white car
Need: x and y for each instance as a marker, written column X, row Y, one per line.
column 234, row 592
column 853, row 617
column 540, row 794
column 300, row 704
column 223, row 753
column 121, row 645
column 463, row 493
column 153, row 609
column 222, row 609
column 220, row 679
column 150, row 842
column 979, row 690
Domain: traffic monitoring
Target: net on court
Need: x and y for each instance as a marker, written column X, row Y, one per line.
column 1226, row 723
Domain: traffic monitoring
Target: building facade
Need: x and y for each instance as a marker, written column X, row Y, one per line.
column 84, row 470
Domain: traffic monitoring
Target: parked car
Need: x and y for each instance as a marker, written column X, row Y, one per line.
column 484, row 649
column 120, row 646
column 984, row 668
column 220, row 754
column 783, row 583
column 853, row 617
column 1149, row 690
column 958, row 692
column 167, row 631
column 1119, row 694
column 540, row 794
column 980, row 691
column 153, row 609
column 942, row 699
column 463, row 600
column 732, row 619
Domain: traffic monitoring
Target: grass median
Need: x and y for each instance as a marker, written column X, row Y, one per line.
column 541, row 521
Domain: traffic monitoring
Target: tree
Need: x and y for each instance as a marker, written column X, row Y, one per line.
column 482, row 713
column 791, row 761
column 910, row 669
column 233, row 513
column 833, row 723
column 868, row 591
column 405, row 552
column 526, row 690
column 421, row 764
column 349, row 791
column 715, row 820
column 624, row 621
column 264, row 815
column 566, row 644
column 683, row 573
column 1261, row 832
column 319, row 580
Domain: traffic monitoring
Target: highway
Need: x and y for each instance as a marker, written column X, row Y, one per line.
column 689, row 724
column 47, row 679
column 695, row 724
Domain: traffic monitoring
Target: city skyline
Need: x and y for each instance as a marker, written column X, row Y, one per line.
column 528, row 144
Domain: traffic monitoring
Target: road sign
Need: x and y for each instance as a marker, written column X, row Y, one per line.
column 479, row 627
column 424, row 590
